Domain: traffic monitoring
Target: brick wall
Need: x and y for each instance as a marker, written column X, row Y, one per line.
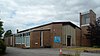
column 84, row 40
column 35, row 39
column 78, row 36
column 56, row 31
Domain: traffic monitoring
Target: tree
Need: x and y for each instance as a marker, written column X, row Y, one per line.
column 94, row 33
column 8, row 33
column 2, row 44
column 1, row 29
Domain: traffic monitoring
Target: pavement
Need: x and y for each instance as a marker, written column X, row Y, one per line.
column 13, row 51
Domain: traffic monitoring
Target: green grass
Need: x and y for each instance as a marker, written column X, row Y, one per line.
column 69, row 55
column 82, row 48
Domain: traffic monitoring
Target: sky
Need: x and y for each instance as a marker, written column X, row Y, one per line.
column 24, row 14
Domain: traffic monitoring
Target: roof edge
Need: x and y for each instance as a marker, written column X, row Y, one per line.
column 50, row 24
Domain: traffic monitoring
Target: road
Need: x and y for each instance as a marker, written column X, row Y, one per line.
column 12, row 51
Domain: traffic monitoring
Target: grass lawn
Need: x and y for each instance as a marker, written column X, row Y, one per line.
column 68, row 55
column 82, row 48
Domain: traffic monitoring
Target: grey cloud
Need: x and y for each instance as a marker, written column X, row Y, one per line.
column 37, row 12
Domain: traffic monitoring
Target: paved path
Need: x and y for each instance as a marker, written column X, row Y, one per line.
column 12, row 51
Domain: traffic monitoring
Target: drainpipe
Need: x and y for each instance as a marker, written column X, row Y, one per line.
column 81, row 38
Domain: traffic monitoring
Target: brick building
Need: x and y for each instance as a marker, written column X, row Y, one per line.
column 55, row 35
column 10, row 41
column 85, row 19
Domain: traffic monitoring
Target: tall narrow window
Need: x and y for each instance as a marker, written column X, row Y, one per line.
column 41, row 39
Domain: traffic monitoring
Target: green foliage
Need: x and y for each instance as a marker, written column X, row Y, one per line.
column 94, row 33
column 1, row 29
column 2, row 44
column 2, row 47
column 8, row 33
column 96, row 46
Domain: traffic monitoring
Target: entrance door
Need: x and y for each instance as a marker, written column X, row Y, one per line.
column 27, row 41
column 68, row 40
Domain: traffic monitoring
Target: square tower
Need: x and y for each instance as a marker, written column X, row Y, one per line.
column 85, row 19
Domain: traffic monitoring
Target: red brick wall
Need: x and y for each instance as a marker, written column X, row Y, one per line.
column 56, row 31
column 20, row 45
column 48, row 36
column 35, row 38
column 84, row 40
column 46, row 39
column 78, row 35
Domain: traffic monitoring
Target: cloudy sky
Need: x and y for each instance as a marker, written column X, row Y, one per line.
column 24, row 14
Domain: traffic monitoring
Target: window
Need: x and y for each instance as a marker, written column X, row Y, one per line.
column 85, row 19
column 23, row 39
column 18, row 39
column 26, row 34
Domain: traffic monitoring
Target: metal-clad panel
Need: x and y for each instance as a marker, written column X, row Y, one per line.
column 68, row 30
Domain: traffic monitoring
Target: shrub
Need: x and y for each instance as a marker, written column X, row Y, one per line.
column 96, row 46
column 2, row 46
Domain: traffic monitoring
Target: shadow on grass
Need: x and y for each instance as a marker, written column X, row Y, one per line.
column 2, row 54
column 69, row 55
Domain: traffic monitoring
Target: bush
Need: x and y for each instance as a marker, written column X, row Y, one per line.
column 2, row 47
column 96, row 46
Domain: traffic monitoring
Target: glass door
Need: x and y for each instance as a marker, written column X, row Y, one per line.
column 27, row 41
column 41, row 39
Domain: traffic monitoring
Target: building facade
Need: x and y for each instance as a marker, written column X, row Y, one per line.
column 86, row 19
column 10, row 41
column 55, row 35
